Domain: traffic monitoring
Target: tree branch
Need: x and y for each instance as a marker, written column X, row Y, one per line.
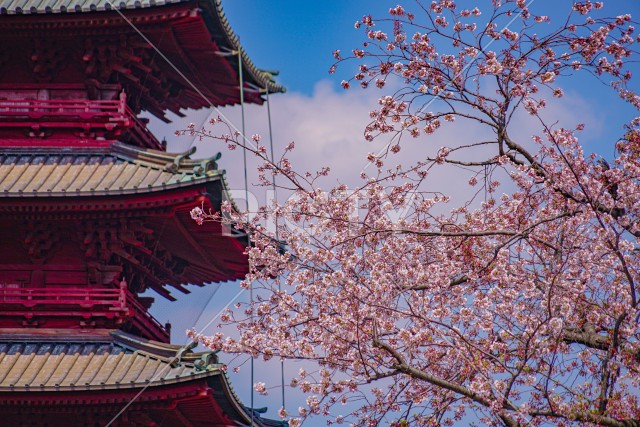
column 587, row 336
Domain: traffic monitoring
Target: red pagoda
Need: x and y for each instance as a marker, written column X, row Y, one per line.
column 94, row 211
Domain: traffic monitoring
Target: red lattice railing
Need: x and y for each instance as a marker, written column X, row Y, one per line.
column 112, row 303
column 108, row 117
column 113, row 111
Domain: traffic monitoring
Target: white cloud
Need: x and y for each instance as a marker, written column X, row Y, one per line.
column 328, row 125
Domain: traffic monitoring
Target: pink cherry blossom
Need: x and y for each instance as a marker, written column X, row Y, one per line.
column 516, row 309
column 261, row 388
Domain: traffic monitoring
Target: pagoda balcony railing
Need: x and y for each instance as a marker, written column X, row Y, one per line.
column 113, row 303
column 108, row 117
column 143, row 320
column 60, row 110
column 84, row 297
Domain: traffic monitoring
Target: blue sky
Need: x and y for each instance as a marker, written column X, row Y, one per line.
column 297, row 38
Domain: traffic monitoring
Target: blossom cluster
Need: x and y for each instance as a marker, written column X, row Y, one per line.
column 522, row 308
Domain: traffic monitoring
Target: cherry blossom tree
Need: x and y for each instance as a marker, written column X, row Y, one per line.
column 514, row 308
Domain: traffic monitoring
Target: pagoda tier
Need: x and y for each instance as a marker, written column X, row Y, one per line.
column 94, row 211
column 65, row 63
column 70, row 41
column 55, row 379
column 85, row 231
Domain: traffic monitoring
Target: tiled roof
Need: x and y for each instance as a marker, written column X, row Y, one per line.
column 42, row 368
column 23, row 7
column 122, row 169
column 11, row 7
column 117, row 361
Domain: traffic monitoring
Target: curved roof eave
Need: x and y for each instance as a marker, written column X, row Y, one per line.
column 262, row 77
